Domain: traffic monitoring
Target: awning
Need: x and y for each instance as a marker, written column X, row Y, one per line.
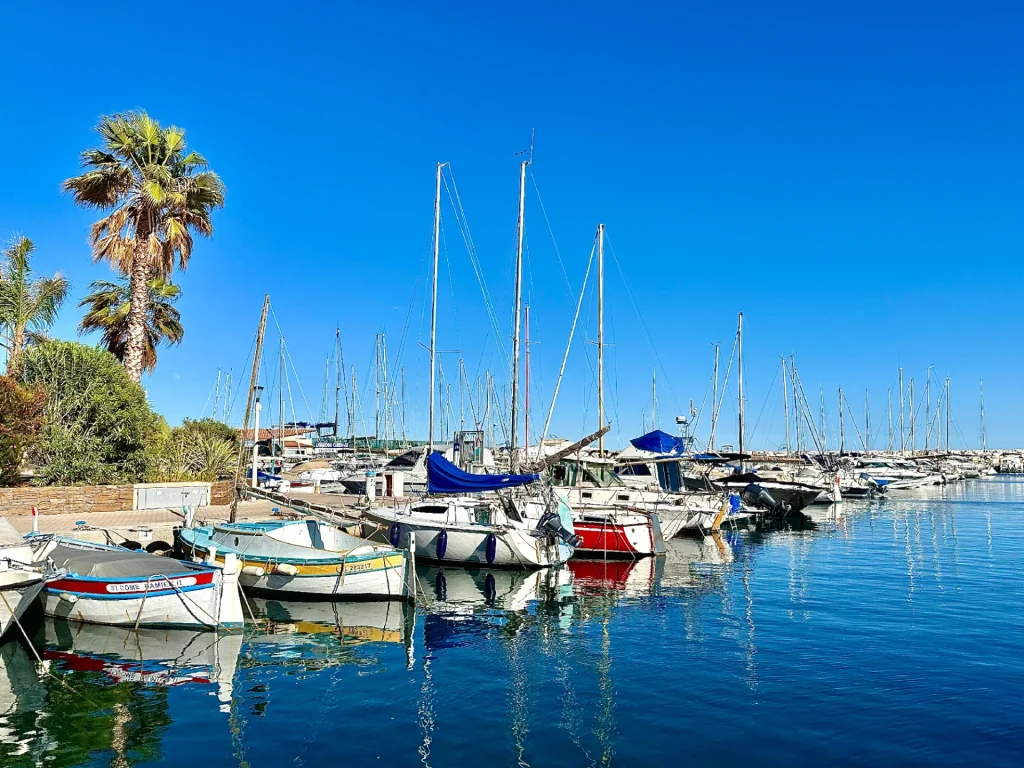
column 445, row 477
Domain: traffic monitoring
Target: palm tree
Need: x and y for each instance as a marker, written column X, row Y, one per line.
column 28, row 305
column 157, row 194
column 110, row 309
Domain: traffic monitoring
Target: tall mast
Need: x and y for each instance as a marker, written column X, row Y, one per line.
column 981, row 384
column 739, row 346
column 903, row 440
column 526, row 409
column 889, row 398
column 785, row 402
column 403, row 409
column 216, row 398
column 821, row 416
column 337, row 378
column 796, row 403
column 654, row 398
column 913, row 436
column 867, row 423
column 927, row 407
column 842, row 429
column 947, row 414
column 600, row 336
column 714, row 405
column 433, row 312
column 280, row 407
column 517, row 319
column 248, row 408
column 487, row 408
column 376, row 387
column 352, row 410
column 387, row 388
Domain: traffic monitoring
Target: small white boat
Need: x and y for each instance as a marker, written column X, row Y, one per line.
column 303, row 558
column 122, row 587
column 24, row 570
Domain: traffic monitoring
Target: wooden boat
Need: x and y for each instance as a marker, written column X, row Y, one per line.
column 122, row 587
column 303, row 558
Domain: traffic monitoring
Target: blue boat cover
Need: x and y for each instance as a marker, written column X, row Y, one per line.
column 445, row 477
column 658, row 442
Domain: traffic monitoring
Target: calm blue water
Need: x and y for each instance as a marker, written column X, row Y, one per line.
column 890, row 634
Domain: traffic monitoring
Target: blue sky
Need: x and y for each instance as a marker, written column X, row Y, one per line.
column 847, row 174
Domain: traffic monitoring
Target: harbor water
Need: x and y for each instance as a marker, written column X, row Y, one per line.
column 887, row 632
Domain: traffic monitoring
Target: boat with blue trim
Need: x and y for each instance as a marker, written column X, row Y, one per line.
column 111, row 585
column 304, row 559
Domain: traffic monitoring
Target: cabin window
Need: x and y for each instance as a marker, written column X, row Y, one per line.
column 482, row 515
column 587, row 495
column 432, row 509
column 623, row 497
column 634, row 470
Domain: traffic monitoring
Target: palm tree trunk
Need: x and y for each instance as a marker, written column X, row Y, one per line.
column 135, row 344
column 17, row 343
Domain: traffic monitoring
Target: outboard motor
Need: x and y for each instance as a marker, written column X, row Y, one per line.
column 871, row 483
column 756, row 496
column 550, row 522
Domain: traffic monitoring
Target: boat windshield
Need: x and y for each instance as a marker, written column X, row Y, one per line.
column 572, row 473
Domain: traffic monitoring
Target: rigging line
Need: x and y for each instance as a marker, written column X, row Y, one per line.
column 568, row 346
column 412, row 303
column 643, row 324
column 717, row 408
column 451, row 288
column 474, row 258
column 238, row 389
column 209, row 396
column 551, row 233
column 771, row 387
column 288, row 356
column 700, row 411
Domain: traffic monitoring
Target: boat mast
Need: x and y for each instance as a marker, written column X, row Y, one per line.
column 216, row 397
column 821, row 416
column 280, row 405
column 981, row 384
column 799, row 433
column 913, row 436
column 842, row 429
column 903, row 439
column 526, row 409
column 352, row 411
column 337, row 379
column 376, row 388
column 517, row 312
column 233, row 515
column 739, row 346
column 654, row 398
column 714, row 404
column 404, row 440
column 947, row 414
column 433, row 312
column 600, row 336
column 889, row 398
column 867, row 423
column 785, row 401
column 927, row 407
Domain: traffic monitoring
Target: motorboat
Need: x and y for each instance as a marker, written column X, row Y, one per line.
column 103, row 584
column 303, row 558
column 494, row 526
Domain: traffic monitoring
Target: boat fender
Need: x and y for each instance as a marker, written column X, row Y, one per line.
column 442, row 544
column 67, row 597
column 490, row 589
column 492, row 547
column 286, row 569
column 252, row 570
column 395, row 534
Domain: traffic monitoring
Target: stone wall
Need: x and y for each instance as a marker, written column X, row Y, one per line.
column 220, row 492
column 76, row 499
column 83, row 499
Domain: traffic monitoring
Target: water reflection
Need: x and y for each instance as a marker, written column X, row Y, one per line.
column 561, row 665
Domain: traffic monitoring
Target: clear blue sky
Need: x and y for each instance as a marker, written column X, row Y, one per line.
column 847, row 174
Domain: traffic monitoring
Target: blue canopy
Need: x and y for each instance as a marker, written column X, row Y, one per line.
column 445, row 477
column 658, row 442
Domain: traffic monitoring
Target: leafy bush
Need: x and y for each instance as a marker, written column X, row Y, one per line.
column 205, row 450
column 97, row 427
column 21, row 419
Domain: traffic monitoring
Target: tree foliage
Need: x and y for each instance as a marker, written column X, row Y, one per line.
column 97, row 427
column 108, row 308
column 28, row 304
column 21, row 420
column 157, row 194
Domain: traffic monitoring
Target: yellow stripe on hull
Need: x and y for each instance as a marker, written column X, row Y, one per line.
column 333, row 569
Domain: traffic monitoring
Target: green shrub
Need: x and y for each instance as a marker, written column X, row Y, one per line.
column 21, row 419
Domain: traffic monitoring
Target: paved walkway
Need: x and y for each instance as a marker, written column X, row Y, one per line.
column 161, row 521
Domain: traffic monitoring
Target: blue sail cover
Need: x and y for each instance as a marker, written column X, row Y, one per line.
column 445, row 477
column 658, row 442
